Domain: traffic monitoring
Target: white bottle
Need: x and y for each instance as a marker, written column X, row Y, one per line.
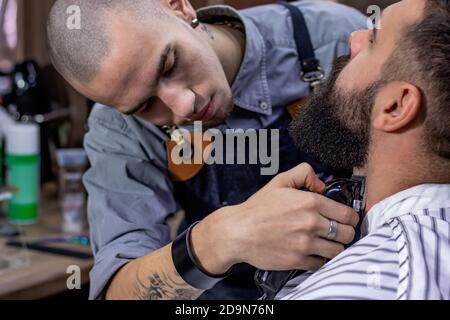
column 72, row 164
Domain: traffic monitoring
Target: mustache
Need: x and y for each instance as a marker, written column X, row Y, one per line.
column 328, row 86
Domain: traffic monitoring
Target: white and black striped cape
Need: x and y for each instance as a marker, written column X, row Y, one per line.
column 404, row 255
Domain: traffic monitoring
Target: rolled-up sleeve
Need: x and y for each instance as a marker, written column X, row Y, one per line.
column 129, row 198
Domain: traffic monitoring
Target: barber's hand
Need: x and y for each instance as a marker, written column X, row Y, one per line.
column 283, row 228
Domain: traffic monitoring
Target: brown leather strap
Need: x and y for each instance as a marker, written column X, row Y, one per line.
column 186, row 171
column 293, row 108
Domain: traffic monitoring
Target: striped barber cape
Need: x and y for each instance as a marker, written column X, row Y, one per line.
column 405, row 253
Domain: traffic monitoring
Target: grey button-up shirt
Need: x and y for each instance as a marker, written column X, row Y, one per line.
column 130, row 194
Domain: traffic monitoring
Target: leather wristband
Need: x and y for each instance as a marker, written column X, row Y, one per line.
column 186, row 265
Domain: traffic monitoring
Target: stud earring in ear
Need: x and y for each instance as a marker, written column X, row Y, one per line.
column 195, row 23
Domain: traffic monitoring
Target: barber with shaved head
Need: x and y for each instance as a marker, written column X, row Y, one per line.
column 153, row 65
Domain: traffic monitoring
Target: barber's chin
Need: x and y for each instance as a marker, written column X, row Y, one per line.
column 212, row 123
column 218, row 119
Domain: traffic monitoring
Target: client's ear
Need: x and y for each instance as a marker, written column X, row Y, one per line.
column 398, row 104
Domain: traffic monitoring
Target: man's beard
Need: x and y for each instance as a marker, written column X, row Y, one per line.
column 334, row 126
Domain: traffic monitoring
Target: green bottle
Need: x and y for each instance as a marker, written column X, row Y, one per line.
column 22, row 174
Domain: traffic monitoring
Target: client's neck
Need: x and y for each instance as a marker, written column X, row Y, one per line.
column 391, row 172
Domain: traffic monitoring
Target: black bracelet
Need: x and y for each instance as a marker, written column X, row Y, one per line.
column 186, row 265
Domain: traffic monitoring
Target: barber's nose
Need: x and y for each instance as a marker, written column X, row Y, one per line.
column 358, row 40
column 180, row 100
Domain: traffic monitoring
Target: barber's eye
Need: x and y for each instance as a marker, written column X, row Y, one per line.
column 171, row 71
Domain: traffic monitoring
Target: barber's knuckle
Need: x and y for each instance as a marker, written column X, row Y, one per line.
column 356, row 218
column 345, row 216
column 314, row 265
column 301, row 248
column 338, row 249
column 309, row 201
column 275, row 180
column 348, row 216
column 297, row 259
column 279, row 177
column 305, row 244
column 306, row 167
column 301, row 264
column 312, row 223
column 349, row 235
column 318, row 265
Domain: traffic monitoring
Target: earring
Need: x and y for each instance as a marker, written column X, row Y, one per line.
column 195, row 23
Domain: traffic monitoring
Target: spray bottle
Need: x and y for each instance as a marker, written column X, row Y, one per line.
column 22, row 162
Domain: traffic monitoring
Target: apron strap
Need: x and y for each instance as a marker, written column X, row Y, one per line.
column 312, row 72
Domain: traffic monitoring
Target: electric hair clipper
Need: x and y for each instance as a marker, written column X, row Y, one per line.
column 350, row 192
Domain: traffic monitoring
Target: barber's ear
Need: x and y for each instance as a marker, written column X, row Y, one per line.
column 181, row 8
column 398, row 105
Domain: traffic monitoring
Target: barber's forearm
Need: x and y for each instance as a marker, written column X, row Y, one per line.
column 152, row 277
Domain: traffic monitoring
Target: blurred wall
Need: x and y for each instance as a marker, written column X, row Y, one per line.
column 362, row 5
column 238, row 4
column 8, row 34
column 31, row 21
column 358, row 4
column 31, row 27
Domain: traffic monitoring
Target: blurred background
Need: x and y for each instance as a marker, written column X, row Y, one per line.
column 43, row 229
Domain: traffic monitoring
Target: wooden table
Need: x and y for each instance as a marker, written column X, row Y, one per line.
column 35, row 274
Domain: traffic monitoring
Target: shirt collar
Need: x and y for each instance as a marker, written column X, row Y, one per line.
column 250, row 87
column 412, row 200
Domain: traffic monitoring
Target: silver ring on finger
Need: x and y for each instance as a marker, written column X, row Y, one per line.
column 332, row 233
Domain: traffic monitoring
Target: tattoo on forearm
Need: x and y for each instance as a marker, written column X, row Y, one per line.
column 208, row 31
column 163, row 287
